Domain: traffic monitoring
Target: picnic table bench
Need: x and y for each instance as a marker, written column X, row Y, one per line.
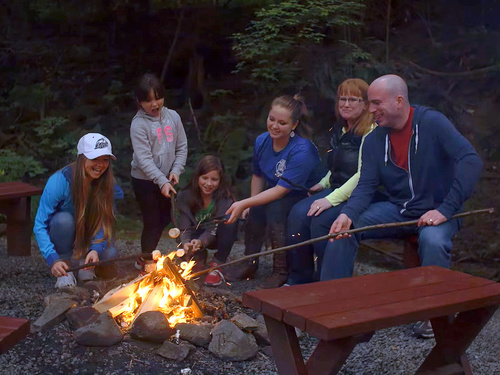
column 342, row 313
column 15, row 203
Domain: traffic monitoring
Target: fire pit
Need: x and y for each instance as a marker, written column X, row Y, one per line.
column 162, row 289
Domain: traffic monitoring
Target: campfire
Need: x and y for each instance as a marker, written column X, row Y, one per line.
column 162, row 288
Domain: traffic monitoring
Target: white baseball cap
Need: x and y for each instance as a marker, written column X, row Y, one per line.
column 93, row 145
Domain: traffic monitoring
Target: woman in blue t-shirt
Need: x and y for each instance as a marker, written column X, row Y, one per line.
column 285, row 165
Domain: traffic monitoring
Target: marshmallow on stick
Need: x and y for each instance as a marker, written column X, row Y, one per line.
column 174, row 232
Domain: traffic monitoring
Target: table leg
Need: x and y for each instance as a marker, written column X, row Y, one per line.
column 286, row 348
column 18, row 213
column 453, row 337
column 330, row 356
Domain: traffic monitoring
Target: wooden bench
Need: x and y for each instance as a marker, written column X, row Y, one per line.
column 12, row 330
column 342, row 313
column 15, row 203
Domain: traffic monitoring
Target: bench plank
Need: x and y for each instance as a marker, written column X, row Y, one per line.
column 297, row 316
column 273, row 302
column 390, row 315
column 12, row 330
column 12, row 190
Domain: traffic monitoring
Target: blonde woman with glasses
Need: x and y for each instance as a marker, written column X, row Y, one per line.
column 313, row 216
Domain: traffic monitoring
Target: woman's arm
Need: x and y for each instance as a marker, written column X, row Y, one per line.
column 55, row 192
column 258, row 198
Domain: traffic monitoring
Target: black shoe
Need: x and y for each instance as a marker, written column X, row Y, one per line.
column 274, row 281
column 243, row 270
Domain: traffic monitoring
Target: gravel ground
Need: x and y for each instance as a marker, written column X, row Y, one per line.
column 25, row 281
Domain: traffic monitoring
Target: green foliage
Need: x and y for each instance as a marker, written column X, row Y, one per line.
column 52, row 137
column 283, row 33
column 16, row 167
column 226, row 136
column 30, row 98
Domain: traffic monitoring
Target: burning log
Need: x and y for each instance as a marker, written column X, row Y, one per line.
column 162, row 289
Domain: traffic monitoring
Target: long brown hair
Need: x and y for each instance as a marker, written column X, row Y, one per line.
column 298, row 110
column 358, row 87
column 93, row 206
column 205, row 165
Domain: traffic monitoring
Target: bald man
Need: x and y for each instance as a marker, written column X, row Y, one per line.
column 428, row 171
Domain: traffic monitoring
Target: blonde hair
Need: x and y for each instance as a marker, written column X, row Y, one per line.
column 93, row 206
column 357, row 87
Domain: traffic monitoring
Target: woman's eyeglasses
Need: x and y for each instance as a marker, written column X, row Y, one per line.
column 343, row 100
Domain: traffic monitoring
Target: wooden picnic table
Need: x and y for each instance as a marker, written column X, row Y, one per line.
column 15, row 203
column 342, row 313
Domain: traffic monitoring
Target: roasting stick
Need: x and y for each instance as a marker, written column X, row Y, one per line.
column 332, row 236
column 112, row 260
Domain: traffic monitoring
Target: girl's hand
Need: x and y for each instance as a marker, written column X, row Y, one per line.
column 59, row 268
column 315, row 189
column 197, row 244
column 167, row 190
column 174, row 178
column 318, row 206
column 91, row 257
column 245, row 213
column 235, row 211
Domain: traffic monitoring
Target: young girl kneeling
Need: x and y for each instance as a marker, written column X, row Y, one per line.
column 207, row 197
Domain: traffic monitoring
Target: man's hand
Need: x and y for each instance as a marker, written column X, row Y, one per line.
column 236, row 209
column 174, row 178
column 432, row 217
column 167, row 190
column 341, row 224
column 318, row 206
column 316, row 188
column 59, row 268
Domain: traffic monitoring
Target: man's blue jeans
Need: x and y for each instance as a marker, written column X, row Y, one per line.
column 301, row 228
column 434, row 242
column 62, row 235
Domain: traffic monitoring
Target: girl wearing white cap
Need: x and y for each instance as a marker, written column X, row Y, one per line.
column 75, row 217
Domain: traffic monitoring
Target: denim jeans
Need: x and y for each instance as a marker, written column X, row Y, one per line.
column 62, row 235
column 434, row 242
column 273, row 217
column 300, row 228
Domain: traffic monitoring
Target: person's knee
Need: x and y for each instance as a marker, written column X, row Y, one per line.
column 109, row 253
column 62, row 221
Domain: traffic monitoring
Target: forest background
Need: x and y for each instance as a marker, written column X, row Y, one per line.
column 68, row 67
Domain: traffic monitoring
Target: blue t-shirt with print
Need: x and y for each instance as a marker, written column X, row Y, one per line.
column 298, row 162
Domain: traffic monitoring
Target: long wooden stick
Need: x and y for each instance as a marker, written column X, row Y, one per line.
column 101, row 262
column 332, row 236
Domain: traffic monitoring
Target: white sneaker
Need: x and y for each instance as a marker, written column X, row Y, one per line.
column 86, row 275
column 66, row 281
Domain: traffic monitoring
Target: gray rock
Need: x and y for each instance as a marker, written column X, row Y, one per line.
column 230, row 343
column 245, row 322
column 151, row 326
column 103, row 332
column 261, row 335
column 198, row 335
column 79, row 317
column 175, row 352
column 54, row 313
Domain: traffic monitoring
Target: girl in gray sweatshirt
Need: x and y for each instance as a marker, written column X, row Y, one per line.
column 160, row 151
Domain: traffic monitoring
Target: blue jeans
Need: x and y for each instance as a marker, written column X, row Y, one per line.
column 62, row 235
column 434, row 242
column 300, row 228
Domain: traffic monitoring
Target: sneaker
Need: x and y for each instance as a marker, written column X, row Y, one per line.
column 423, row 329
column 215, row 277
column 86, row 275
column 66, row 281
